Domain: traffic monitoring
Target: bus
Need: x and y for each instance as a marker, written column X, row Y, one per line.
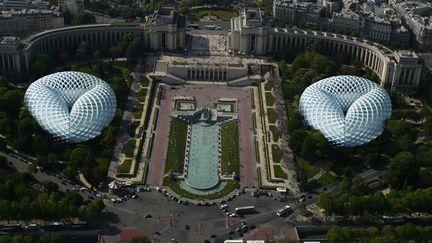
column 244, row 210
column 393, row 219
column 283, row 211
column 193, row 26
column 210, row 27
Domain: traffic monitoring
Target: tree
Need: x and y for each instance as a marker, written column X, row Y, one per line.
column 83, row 18
column 114, row 51
column 43, row 65
column 18, row 239
column 402, row 170
column 345, row 184
column 55, row 238
column 296, row 140
column 371, row 159
column 10, row 104
column 397, row 128
column 81, row 54
column 427, row 126
column 334, row 234
column 79, row 156
column 45, row 239
column 308, row 147
column 67, row 17
column 283, row 68
column 135, row 48
column 140, row 239
column 124, row 43
column 50, row 186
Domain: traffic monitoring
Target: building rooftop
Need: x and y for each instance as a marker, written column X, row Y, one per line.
column 405, row 54
column 7, row 40
column 167, row 15
column 252, row 17
column 10, row 13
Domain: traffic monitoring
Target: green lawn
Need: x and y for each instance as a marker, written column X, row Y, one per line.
column 176, row 146
column 124, row 167
column 279, row 173
column 133, row 126
column 141, row 95
column 272, row 116
column 137, row 114
column 311, row 170
column 257, row 155
column 129, row 147
column 254, row 121
column 252, row 98
column 223, row 15
column 269, row 98
column 137, row 111
column 230, row 186
column 276, row 153
column 275, row 132
column 230, row 148
column 144, row 81
column 268, row 85
column 103, row 162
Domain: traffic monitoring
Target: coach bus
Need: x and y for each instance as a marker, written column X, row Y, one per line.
column 244, row 210
column 210, row 27
column 193, row 26
column 283, row 211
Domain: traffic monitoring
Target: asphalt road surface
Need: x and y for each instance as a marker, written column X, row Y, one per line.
column 22, row 166
column 169, row 220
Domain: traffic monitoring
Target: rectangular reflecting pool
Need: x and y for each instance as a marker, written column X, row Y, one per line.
column 202, row 169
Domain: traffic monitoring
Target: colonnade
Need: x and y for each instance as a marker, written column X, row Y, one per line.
column 206, row 74
column 69, row 38
column 10, row 61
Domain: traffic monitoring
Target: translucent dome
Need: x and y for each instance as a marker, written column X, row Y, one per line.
column 348, row 110
column 72, row 106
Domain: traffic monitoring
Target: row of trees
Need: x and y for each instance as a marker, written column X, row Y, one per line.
column 47, row 238
column 402, row 233
column 131, row 47
column 396, row 202
column 19, row 201
column 79, row 18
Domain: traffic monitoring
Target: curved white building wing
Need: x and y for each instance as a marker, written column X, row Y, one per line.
column 348, row 110
column 72, row 106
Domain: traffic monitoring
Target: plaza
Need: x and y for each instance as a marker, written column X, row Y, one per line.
column 204, row 147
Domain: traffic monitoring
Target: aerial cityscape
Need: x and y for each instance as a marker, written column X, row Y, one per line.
column 215, row 121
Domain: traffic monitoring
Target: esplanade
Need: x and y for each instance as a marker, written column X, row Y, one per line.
column 250, row 34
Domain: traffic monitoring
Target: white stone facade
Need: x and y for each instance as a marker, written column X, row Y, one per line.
column 25, row 22
column 381, row 60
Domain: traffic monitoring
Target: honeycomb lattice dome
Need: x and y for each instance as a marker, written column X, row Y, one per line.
column 348, row 110
column 72, row 106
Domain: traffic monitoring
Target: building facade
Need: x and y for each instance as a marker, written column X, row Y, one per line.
column 387, row 64
column 417, row 15
column 25, row 22
column 165, row 30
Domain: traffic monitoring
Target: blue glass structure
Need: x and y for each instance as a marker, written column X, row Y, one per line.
column 72, row 106
column 348, row 110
